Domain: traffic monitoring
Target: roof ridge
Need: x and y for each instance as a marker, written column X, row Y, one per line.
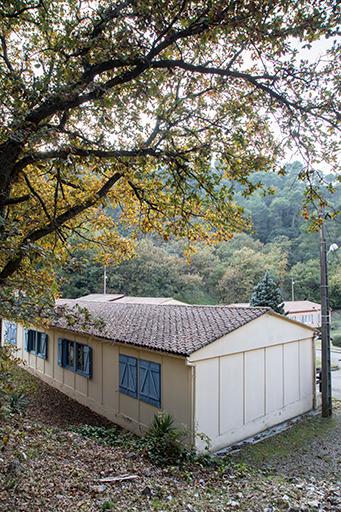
column 145, row 304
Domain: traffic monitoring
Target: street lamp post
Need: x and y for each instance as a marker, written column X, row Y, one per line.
column 105, row 280
column 325, row 327
column 292, row 289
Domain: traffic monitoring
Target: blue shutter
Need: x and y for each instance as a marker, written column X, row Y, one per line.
column 38, row 342
column 64, row 352
column 61, row 352
column 30, row 336
column 87, row 361
column 150, row 382
column 14, row 334
column 43, row 345
column 128, row 375
column 10, row 332
column 32, row 341
column 26, row 340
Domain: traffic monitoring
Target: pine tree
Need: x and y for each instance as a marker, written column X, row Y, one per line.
column 267, row 293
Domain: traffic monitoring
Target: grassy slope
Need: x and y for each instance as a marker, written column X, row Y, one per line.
column 336, row 324
column 48, row 467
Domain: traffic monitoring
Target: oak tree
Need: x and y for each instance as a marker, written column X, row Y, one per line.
column 151, row 110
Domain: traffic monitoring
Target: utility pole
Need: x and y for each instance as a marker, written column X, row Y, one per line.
column 105, row 280
column 292, row 289
column 325, row 327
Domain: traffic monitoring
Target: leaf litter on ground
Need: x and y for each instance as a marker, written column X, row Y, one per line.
column 54, row 462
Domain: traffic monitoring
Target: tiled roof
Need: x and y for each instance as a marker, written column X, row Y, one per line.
column 170, row 328
column 101, row 297
column 108, row 297
column 295, row 306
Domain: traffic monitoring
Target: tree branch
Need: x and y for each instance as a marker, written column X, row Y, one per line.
column 62, row 154
column 13, row 264
column 14, row 200
column 5, row 54
column 252, row 79
column 17, row 13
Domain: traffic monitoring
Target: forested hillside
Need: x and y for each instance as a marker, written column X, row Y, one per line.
column 279, row 241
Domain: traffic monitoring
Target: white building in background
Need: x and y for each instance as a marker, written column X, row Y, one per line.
column 304, row 311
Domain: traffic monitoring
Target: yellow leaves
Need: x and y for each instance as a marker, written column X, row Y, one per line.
column 5, row 439
column 305, row 213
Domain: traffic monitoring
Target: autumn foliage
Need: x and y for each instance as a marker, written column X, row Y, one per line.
column 152, row 111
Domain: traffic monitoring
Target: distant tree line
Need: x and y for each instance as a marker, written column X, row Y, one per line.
column 280, row 242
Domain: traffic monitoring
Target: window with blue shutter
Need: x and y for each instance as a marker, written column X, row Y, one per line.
column 60, row 352
column 36, row 342
column 32, row 341
column 140, row 379
column 128, row 375
column 83, row 359
column 10, row 332
column 69, row 354
column 26, row 340
column 150, row 382
column 88, row 361
column 42, row 343
column 75, row 357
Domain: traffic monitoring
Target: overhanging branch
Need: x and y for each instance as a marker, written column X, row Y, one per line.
column 54, row 225
column 62, row 154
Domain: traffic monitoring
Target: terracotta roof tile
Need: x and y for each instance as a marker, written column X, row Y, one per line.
column 169, row 328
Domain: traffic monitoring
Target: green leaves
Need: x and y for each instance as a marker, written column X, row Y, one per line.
column 182, row 102
column 267, row 293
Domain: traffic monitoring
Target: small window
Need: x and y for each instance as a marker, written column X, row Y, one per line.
column 32, row 340
column 80, row 357
column 10, row 332
column 74, row 356
column 41, row 345
column 140, row 379
column 36, row 342
column 70, row 354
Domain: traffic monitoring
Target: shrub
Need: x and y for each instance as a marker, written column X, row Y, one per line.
column 108, row 506
column 165, row 443
column 15, row 384
column 18, row 402
column 336, row 338
column 104, row 435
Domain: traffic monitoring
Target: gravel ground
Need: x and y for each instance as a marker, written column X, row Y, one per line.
column 47, row 467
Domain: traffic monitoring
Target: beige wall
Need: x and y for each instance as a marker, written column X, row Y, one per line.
column 257, row 376
column 101, row 392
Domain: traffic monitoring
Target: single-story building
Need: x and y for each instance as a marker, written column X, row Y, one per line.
column 226, row 372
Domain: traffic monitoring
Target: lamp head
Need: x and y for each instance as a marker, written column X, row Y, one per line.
column 333, row 248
